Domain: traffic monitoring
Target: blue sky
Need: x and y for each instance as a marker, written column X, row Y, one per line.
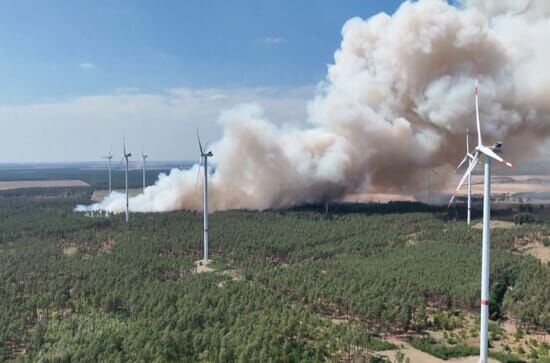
column 60, row 51
column 152, row 45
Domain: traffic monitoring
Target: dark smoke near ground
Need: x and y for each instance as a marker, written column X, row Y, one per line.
column 395, row 103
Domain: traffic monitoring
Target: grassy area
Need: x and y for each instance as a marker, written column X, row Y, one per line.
column 440, row 350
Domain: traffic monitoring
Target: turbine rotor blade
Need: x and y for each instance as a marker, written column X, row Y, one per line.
column 479, row 142
column 462, row 162
column 490, row 153
column 451, row 201
column 467, row 142
column 468, row 171
column 198, row 174
column 199, row 140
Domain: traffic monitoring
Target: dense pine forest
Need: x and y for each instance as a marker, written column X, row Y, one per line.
column 284, row 286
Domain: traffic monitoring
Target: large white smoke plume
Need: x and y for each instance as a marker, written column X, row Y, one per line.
column 396, row 102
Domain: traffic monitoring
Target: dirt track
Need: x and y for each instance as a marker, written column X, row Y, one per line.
column 417, row 356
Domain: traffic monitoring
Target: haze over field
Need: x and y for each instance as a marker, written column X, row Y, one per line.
column 395, row 103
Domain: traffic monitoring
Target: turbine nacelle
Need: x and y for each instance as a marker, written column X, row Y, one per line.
column 110, row 155
column 126, row 155
column 497, row 147
column 203, row 153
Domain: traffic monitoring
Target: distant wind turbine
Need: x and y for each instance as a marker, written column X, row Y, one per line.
column 431, row 170
column 143, row 157
column 126, row 156
column 109, row 157
column 468, row 157
column 488, row 153
column 204, row 162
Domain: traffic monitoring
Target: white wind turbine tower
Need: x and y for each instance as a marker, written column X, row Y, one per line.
column 143, row 157
column 126, row 156
column 429, row 198
column 204, row 162
column 468, row 157
column 488, row 153
column 109, row 157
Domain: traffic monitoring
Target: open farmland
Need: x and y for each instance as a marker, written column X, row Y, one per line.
column 29, row 184
column 510, row 189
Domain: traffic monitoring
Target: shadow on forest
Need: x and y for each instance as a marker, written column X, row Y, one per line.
column 456, row 212
column 370, row 208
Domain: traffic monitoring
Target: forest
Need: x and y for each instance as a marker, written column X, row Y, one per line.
column 286, row 285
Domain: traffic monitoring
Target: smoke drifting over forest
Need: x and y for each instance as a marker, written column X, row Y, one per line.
column 395, row 103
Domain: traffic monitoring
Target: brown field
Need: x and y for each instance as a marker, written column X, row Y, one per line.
column 26, row 184
column 512, row 184
column 501, row 185
column 378, row 197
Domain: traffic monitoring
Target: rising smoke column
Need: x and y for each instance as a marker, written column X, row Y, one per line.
column 395, row 103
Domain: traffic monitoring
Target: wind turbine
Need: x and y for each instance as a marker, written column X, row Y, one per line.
column 431, row 170
column 109, row 157
column 143, row 157
column 204, row 162
column 488, row 153
column 126, row 156
column 468, row 157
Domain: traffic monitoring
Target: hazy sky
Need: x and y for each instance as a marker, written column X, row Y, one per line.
column 75, row 75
